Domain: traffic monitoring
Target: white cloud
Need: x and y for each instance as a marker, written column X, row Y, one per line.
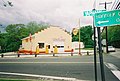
column 65, row 13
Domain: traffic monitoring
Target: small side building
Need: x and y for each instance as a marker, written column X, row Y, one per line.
column 47, row 41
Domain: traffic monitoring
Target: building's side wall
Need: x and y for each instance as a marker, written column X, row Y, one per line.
column 27, row 44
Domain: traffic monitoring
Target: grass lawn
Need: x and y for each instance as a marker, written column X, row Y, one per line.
column 88, row 48
column 85, row 48
column 4, row 79
column 7, row 79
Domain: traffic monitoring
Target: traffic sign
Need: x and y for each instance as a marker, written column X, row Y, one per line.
column 92, row 13
column 104, row 41
column 75, row 31
column 107, row 18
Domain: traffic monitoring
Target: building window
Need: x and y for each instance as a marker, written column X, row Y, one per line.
column 48, row 46
column 41, row 45
column 62, row 46
column 59, row 46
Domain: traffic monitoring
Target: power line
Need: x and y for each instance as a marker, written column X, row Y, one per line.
column 116, row 4
column 4, row 3
column 8, row 3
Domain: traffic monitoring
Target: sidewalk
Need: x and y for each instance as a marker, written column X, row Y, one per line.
column 116, row 54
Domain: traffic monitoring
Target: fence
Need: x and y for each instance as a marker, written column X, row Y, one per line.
column 44, row 54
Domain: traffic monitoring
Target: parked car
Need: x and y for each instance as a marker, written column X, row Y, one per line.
column 111, row 49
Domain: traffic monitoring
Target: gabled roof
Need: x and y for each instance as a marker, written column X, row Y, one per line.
column 45, row 30
column 28, row 37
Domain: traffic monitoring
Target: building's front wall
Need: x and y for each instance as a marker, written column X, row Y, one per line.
column 51, row 36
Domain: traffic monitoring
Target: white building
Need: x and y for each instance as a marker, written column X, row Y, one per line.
column 46, row 40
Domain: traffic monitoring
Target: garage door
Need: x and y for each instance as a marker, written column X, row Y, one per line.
column 60, row 46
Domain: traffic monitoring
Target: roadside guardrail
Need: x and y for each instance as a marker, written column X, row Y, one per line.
column 44, row 54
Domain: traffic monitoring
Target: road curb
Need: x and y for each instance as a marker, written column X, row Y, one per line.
column 42, row 76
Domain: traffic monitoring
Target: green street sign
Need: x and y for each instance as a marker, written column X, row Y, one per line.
column 107, row 18
column 92, row 13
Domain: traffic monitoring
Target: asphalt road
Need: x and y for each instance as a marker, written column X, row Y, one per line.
column 79, row 67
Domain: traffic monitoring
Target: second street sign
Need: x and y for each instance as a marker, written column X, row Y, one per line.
column 107, row 18
column 92, row 13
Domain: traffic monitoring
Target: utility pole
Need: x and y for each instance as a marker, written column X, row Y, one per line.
column 79, row 38
column 106, row 26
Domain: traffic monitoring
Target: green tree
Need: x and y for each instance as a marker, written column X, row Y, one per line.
column 3, row 40
column 113, row 36
column 15, row 33
column 34, row 27
column 85, row 36
column 11, row 40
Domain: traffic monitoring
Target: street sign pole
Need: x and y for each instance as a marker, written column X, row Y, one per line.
column 95, row 62
column 100, row 55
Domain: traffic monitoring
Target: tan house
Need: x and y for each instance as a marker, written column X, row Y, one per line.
column 48, row 40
